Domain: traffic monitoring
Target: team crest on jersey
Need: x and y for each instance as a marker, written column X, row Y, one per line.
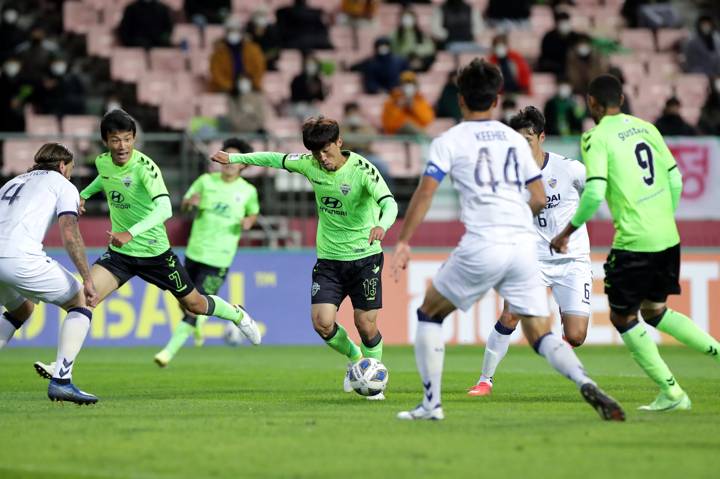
column 552, row 182
column 238, row 198
column 345, row 189
column 127, row 181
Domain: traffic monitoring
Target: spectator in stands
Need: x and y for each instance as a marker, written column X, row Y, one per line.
column 265, row 34
column 202, row 12
column 13, row 93
column 447, row 105
column 406, row 111
column 233, row 56
column 381, row 72
column 359, row 10
column 145, row 23
column 246, row 109
column 307, row 88
column 555, row 46
column 505, row 14
column 702, row 50
column 709, row 123
column 410, row 42
column 515, row 70
column 508, row 109
column 11, row 36
column 584, row 63
column 617, row 73
column 455, row 24
column 670, row 123
column 302, row 27
column 563, row 115
column 35, row 54
column 60, row 92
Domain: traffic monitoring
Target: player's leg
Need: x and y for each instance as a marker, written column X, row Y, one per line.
column 323, row 317
column 496, row 348
column 17, row 310
column 656, row 313
column 626, row 285
column 364, row 285
column 571, row 286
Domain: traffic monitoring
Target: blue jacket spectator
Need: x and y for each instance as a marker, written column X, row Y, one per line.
column 702, row 51
column 381, row 72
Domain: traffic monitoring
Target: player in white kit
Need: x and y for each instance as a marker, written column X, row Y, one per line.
column 490, row 165
column 567, row 275
column 29, row 204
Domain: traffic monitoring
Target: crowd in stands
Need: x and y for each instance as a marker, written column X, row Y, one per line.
column 382, row 67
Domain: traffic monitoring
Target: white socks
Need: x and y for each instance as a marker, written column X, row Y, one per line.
column 429, row 357
column 561, row 357
column 72, row 335
column 495, row 350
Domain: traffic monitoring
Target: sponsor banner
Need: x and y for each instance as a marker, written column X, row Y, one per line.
column 276, row 287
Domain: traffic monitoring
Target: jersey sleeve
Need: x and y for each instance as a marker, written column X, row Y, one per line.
column 439, row 160
column 68, row 201
column 253, row 205
column 152, row 179
column 297, row 163
column 92, row 188
column 577, row 171
column 196, row 187
column 594, row 156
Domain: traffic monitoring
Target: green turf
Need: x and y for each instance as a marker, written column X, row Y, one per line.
column 280, row 412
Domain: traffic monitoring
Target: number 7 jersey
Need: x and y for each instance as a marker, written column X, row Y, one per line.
column 489, row 164
column 631, row 155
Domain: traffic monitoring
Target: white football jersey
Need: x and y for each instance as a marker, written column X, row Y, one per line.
column 564, row 181
column 489, row 164
column 29, row 204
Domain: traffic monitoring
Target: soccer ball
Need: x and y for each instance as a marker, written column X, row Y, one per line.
column 232, row 335
column 368, row 377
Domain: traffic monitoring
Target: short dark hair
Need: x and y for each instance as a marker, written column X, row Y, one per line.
column 351, row 105
column 607, row 91
column 479, row 84
column 530, row 118
column 318, row 131
column 50, row 155
column 672, row 101
column 241, row 145
column 116, row 120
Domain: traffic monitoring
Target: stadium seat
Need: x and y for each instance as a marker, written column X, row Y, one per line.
column 213, row 104
column 440, row 125
column 42, row 124
column 153, row 87
column 345, row 86
column 691, row 88
column 186, row 34
column 212, row 34
column 525, row 42
column 18, row 155
column 431, row 85
column 176, row 114
column 290, row 62
column 691, row 114
column 543, row 84
column 80, row 125
column 637, row 39
column 176, row 5
column 283, row 126
column 372, row 107
column 395, row 154
column 541, row 18
column 99, row 41
column 200, row 62
column 79, row 17
column 662, row 66
column 668, row 38
column 276, row 86
column 127, row 64
column 444, row 62
column 170, row 60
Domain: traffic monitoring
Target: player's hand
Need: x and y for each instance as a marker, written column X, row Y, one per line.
column 559, row 244
column 81, row 209
column 400, row 259
column 221, row 157
column 119, row 239
column 191, row 203
column 91, row 296
column 377, row 233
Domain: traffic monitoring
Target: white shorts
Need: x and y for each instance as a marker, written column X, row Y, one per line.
column 37, row 278
column 476, row 266
column 571, row 284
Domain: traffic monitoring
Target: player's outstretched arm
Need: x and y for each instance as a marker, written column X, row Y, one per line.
column 75, row 247
column 270, row 159
column 91, row 189
column 590, row 201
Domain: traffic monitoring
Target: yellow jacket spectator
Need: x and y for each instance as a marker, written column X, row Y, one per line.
column 406, row 111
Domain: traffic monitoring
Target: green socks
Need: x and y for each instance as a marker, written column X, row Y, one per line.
column 341, row 343
column 180, row 335
column 374, row 352
column 686, row 331
column 224, row 310
column 645, row 353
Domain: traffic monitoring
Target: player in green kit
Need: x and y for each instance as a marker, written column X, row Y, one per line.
column 139, row 205
column 226, row 205
column 355, row 210
column 628, row 163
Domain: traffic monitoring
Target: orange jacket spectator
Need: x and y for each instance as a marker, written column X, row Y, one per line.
column 224, row 75
column 406, row 111
column 359, row 8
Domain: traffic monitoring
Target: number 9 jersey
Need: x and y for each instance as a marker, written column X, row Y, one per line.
column 490, row 164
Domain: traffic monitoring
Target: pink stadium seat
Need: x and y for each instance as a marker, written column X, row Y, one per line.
column 372, row 107
column 100, row 41
column 541, row 18
column 80, row 124
column 580, row 22
column 342, row 38
column 186, row 85
column 290, row 62
column 691, row 85
column 276, row 86
column 200, row 62
column 176, row 114
column 186, row 33
column 444, row 62
column 606, row 21
column 79, row 17
column 213, row 104
column 168, row 60
column 440, row 125
column 691, row 114
column 19, row 155
column 431, row 85
column 111, row 14
column 176, row 5
column 127, row 64
column 395, row 155
column 662, row 65
column 346, row 86
column 283, row 126
column 526, row 43
column 543, row 84
column 667, row 38
column 212, row 34
column 638, row 39
column 154, row 87
column 42, row 125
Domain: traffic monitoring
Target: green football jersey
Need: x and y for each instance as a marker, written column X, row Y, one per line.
column 348, row 201
column 218, row 225
column 130, row 190
column 631, row 155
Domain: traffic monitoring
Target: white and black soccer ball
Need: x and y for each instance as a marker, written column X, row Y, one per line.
column 232, row 335
column 368, row 377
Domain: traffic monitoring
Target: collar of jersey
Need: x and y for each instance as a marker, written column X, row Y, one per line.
column 545, row 161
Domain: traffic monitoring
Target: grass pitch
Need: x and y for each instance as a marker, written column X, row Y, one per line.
column 279, row 412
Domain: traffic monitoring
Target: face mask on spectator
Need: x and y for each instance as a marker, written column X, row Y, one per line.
column 407, row 21
column 584, row 50
column 383, row 50
column 409, row 89
column 12, row 69
column 233, row 37
column 501, row 50
column 564, row 90
column 10, row 16
column 507, row 115
column 311, row 68
column 113, row 105
column 353, row 120
column 58, row 68
column 564, row 27
column 706, row 28
column 244, row 86
column 261, row 21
